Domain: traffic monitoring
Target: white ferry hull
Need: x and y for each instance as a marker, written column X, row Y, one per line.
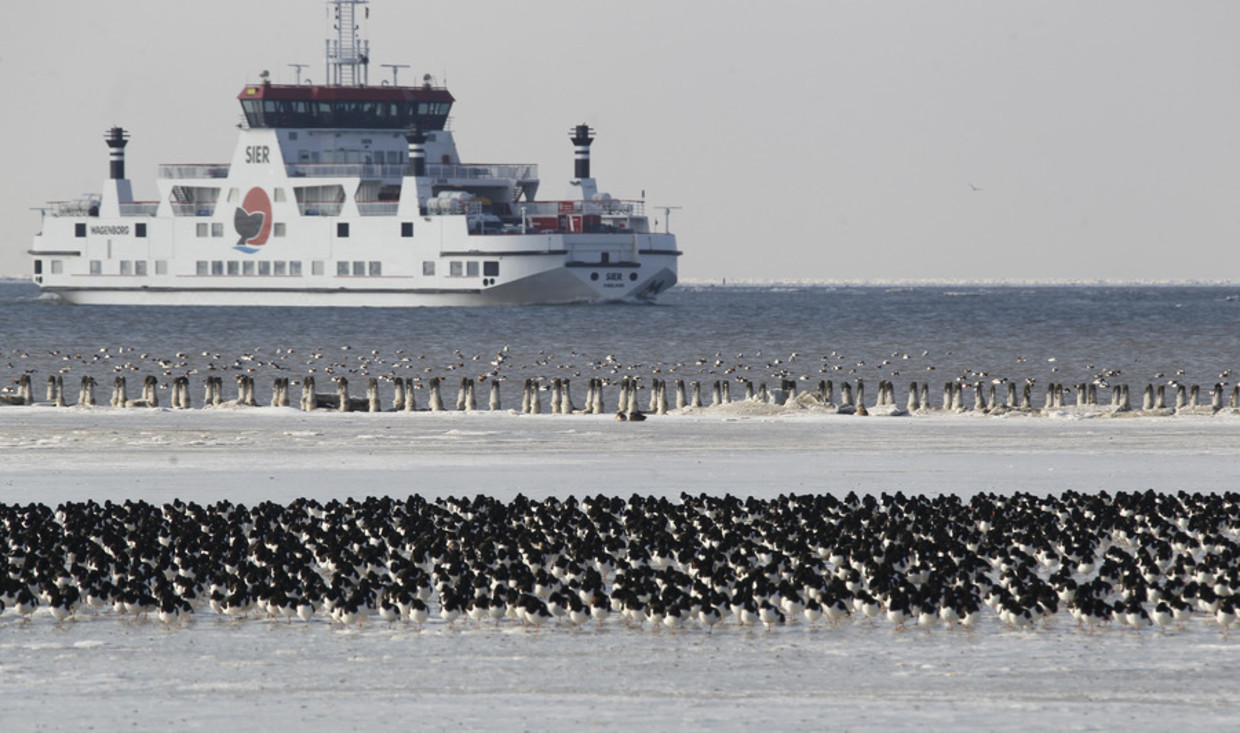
column 557, row 286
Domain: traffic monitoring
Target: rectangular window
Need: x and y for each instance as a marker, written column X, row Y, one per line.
column 139, row 229
column 202, row 229
column 316, row 267
column 233, row 195
column 161, row 267
column 456, row 268
column 234, row 267
column 58, row 266
column 342, row 269
column 294, row 268
column 376, row 269
column 38, row 267
column 139, row 267
column 490, row 269
column 203, row 268
column 277, row 229
column 278, row 193
column 342, row 229
column 406, row 229
column 96, row 267
column 217, row 267
column 264, row 268
column 359, row 269
column 428, row 268
column 217, row 228
column 281, row 268
column 471, row 269
column 126, row 267
column 247, row 267
column 79, row 230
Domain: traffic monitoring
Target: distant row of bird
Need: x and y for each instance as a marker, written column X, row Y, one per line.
column 1128, row 560
column 660, row 396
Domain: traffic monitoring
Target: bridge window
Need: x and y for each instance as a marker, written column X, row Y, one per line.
column 362, row 114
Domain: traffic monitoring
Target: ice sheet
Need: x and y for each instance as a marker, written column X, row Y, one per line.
column 101, row 672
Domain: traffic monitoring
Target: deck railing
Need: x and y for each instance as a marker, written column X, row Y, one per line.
column 519, row 172
column 608, row 207
column 140, row 208
column 377, row 208
column 206, row 170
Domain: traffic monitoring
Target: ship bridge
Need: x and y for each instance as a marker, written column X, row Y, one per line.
column 358, row 108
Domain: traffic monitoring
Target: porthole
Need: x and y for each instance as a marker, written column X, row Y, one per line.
column 633, row 276
column 594, row 276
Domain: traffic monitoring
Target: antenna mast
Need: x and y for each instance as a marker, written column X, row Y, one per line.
column 346, row 52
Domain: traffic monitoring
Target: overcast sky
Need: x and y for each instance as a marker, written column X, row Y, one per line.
column 804, row 140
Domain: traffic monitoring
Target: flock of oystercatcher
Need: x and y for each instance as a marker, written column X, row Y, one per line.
column 1126, row 561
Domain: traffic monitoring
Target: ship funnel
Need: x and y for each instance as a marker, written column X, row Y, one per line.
column 582, row 137
column 117, row 139
column 417, row 152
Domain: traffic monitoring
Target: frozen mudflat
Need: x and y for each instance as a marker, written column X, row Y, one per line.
column 101, row 673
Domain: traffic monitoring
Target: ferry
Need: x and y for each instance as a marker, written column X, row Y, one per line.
column 348, row 194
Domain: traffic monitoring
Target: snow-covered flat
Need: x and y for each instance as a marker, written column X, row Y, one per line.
column 280, row 454
column 260, row 676
column 104, row 673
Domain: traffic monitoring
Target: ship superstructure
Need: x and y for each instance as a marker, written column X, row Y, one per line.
column 352, row 195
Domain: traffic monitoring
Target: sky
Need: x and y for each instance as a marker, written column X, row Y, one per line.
column 802, row 140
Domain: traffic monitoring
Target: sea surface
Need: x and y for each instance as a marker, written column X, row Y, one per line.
column 934, row 334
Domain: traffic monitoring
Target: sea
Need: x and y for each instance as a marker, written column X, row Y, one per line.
column 1069, row 334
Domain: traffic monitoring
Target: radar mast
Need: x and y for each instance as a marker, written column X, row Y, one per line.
column 348, row 57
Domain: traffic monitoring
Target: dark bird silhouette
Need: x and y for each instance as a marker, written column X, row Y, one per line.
column 248, row 225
